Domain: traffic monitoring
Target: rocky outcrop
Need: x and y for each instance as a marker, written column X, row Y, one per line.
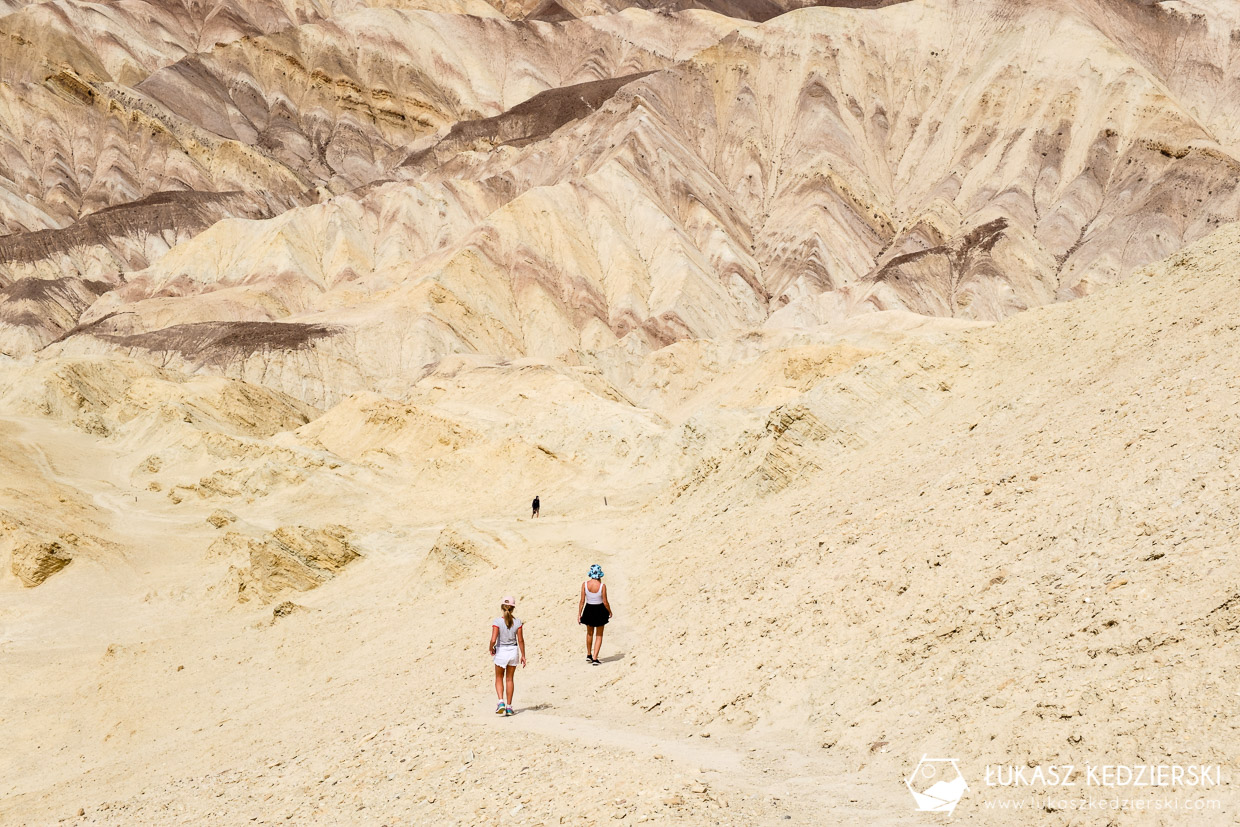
column 220, row 518
column 34, row 562
column 461, row 551
column 117, row 392
column 790, row 430
column 286, row 609
column 293, row 558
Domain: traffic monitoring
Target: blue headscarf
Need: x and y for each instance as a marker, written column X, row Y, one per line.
column 596, row 572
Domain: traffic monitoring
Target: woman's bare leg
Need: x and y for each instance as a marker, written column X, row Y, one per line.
column 499, row 683
column 512, row 670
column 598, row 641
column 589, row 639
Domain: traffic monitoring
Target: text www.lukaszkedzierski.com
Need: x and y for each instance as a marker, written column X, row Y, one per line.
column 1051, row 804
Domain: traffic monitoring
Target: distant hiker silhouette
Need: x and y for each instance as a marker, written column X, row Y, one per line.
column 534, row 513
column 593, row 612
column 508, row 649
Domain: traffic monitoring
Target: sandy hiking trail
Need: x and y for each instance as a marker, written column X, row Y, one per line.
column 566, row 699
column 360, row 671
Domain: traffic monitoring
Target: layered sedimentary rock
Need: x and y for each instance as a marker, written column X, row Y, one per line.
column 110, row 154
column 34, row 562
column 341, row 101
column 1190, row 45
column 599, row 202
column 295, row 558
column 459, row 552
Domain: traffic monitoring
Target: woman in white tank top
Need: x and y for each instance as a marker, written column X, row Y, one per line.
column 593, row 612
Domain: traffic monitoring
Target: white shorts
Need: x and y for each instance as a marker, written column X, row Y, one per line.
column 506, row 656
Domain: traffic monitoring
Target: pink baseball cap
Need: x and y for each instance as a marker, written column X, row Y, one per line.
column 508, row 601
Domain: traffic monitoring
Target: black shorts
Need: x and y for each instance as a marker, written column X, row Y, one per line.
column 595, row 614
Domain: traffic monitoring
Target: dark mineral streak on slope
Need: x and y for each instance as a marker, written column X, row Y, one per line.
column 221, row 343
column 528, row 121
column 178, row 211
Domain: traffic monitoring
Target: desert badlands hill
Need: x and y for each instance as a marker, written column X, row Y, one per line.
column 886, row 355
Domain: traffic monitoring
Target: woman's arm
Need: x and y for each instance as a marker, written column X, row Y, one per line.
column 495, row 636
column 581, row 604
column 521, row 641
column 606, row 605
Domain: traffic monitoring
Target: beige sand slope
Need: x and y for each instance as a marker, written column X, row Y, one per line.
column 1008, row 545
